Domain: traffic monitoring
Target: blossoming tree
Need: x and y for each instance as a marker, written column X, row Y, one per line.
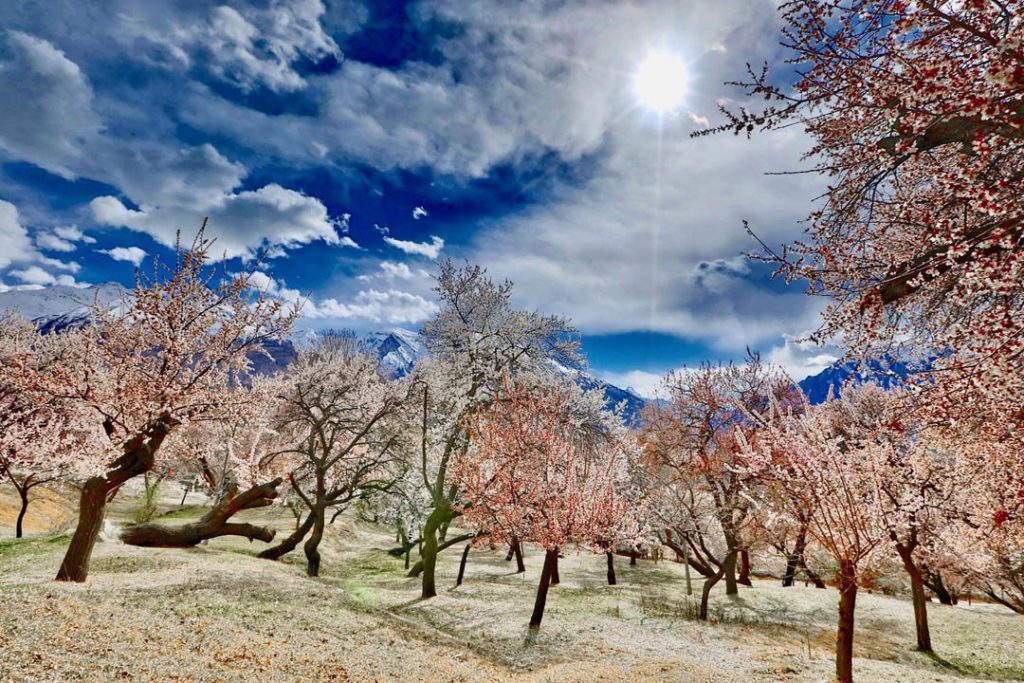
column 166, row 357
column 533, row 475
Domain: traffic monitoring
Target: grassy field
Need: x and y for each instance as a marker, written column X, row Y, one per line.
column 217, row 613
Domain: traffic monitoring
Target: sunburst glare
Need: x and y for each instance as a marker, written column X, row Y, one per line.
column 660, row 82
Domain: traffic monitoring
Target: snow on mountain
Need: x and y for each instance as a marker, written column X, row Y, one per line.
column 397, row 349
column 60, row 306
column 833, row 378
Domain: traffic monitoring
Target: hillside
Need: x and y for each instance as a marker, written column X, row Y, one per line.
column 216, row 613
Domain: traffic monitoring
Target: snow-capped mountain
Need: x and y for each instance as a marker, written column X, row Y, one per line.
column 56, row 308
column 833, row 378
column 60, row 306
column 397, row 349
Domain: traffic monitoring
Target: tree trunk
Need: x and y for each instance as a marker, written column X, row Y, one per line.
column 511, row 550
column 811, row 574
column 211, row 525
column 555, row 580
column 705, row 594
column 23, row 494
column 428, row 555
column 137, row 458
column 791, row 564
column 289, row 544
column 611, row 568
column 550, row 562
column 934, row 582
column 744, row 577
column 312, row 545
column 417, row 569
column 188, row 487
column 632, row 558
column 686, row 570
column 729, row 565
column 462, row 565
column 924, row 638
column 844, row 636
column 520, row 565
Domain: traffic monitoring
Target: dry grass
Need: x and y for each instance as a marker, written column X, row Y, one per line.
column 215, row 613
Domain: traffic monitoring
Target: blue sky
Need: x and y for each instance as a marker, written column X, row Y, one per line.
column 358, row 141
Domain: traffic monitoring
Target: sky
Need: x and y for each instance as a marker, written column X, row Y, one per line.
column 354, row 143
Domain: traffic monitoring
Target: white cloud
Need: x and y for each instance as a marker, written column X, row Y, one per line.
column 62, row 238
column 34, row 275
column 241, row 222
column 51, row 120
column 802, row 358
column 174, row 186
column 646, row 384
column 396, row 270
column 134, row 255
column 431, row 249
column 15, row 244
column 418, row 213
column 390, row 306
column 244, row 45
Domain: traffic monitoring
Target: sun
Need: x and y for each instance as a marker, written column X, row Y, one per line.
column 660, row 82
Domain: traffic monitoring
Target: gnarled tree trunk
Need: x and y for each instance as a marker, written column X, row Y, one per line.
column 729, row 565
column 137, row 458
column 709, row 583
column 611, row 567
column 23, row 494
column 312, row 545
column 211, row 525
column 289, row 544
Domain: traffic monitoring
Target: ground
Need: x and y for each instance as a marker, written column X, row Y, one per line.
column 217, row 613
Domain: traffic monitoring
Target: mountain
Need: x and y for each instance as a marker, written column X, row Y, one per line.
column 59, row 307
column 397, row 349
column 833, row 378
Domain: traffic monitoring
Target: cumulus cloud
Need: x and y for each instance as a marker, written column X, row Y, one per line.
column 378, row 306
column 62, row 239
column 396, row 270
column 241, row 222
column 649, row 385
column 15, row 244
column 51, row 121
column 802, row 358
column 34, row 275
column 390, row 306
column 431, row 249
column 247, row 44
column 133, row 255
column 175, row 186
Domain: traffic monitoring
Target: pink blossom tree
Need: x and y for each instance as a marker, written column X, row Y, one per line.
column 40, row 435
column 834, row 476
column 916, row 110
column 533, row 475
column 167, row 356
